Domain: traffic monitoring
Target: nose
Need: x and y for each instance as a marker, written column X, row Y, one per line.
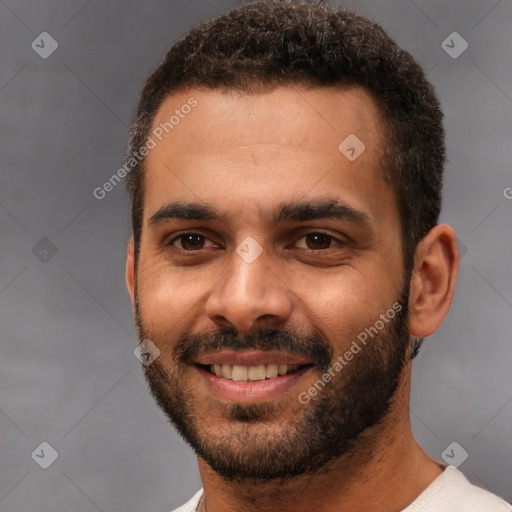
column 249, row 296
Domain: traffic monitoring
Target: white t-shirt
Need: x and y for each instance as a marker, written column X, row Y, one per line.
column 450, row 492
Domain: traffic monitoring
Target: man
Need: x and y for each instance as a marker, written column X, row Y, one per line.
column 286, row 261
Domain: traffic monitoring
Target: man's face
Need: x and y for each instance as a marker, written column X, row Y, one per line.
column 265, row 251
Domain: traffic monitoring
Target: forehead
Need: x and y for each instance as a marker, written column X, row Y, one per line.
column 255, row 148
column 260, row 117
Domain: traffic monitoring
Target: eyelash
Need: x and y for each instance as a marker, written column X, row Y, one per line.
column 316, row 251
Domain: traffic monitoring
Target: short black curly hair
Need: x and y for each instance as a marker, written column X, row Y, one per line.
column 292, row 42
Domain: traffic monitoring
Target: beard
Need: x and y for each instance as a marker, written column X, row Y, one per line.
column 285, row 438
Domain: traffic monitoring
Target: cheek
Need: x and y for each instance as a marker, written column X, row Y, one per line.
column 345, row 303
column 168, row 301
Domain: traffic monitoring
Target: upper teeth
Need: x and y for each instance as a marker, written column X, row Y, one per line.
column 259, row 372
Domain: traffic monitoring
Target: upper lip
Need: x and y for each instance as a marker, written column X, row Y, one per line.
column 251, row 358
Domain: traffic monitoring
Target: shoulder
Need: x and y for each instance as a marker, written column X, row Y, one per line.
column 452, row 491
column 191, row 504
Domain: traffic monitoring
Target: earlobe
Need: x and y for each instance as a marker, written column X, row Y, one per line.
column 436, row 265
column 130, row 270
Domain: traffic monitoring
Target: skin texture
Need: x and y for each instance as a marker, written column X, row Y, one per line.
column 245, row 154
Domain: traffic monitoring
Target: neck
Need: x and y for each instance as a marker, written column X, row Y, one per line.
column 386, row 472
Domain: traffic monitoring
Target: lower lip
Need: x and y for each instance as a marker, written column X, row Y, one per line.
column 250, row 391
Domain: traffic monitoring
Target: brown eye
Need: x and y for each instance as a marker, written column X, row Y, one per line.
column 318, row 241
column 189, row 241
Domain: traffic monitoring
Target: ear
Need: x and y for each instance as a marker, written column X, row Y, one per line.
column 130, row 270
column 436, row 265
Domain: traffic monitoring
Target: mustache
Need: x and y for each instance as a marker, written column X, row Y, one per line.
column 313, row 347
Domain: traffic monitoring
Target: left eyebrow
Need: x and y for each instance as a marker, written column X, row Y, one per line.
column 303, row 211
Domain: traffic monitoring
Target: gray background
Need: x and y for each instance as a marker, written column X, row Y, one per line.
column 68, row 375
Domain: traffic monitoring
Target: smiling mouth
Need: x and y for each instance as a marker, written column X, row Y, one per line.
column 242, row 373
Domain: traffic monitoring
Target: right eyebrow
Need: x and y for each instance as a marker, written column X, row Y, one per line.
column 187, row 211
